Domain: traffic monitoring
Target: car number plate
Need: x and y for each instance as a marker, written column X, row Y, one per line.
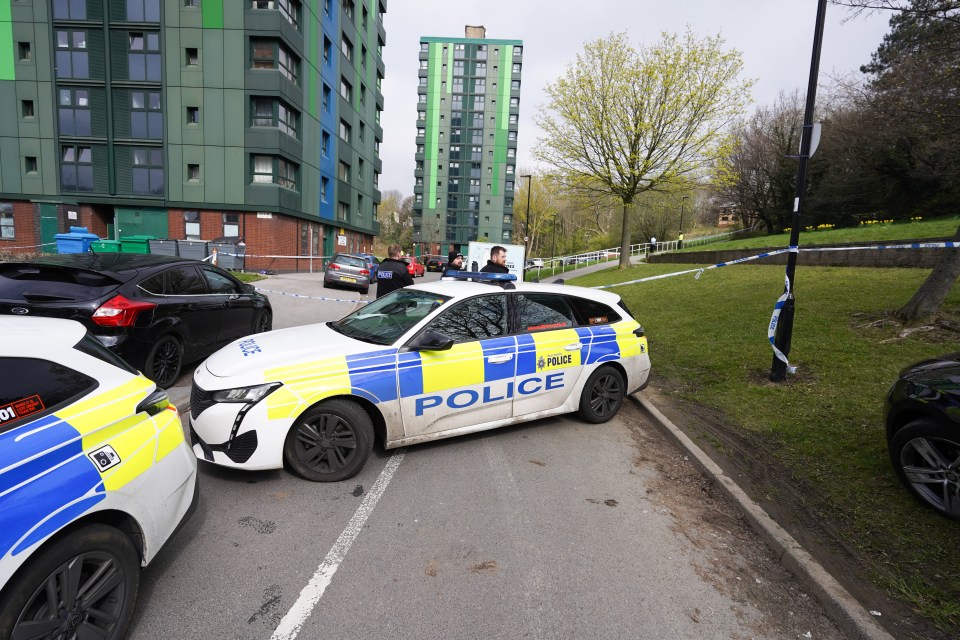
column 348, row 278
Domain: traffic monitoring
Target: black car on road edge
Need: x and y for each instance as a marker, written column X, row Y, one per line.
column 156, row 312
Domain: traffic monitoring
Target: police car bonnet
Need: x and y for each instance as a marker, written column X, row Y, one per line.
column 281, row 348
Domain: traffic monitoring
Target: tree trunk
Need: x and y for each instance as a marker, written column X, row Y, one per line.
column 625, row 237
column 934, row 290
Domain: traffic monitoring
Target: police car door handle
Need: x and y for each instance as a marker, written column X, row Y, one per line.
column 572, row 347
column 506, row 357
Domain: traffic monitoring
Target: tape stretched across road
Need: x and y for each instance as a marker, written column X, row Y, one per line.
column 27, row 246
column 300, row 295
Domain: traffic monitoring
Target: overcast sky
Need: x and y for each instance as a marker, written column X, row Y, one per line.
column 774, row 36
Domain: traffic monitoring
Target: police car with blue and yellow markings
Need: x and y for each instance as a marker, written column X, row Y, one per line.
column 425, row 362
column 95, row 476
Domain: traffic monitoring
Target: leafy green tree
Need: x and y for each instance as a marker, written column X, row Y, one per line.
column 623, row 120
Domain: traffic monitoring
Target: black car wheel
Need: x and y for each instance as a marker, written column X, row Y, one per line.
column 365, row 290
column 602, row 395
column 164, row 361
column 82, row 586
column 264, row 321
column 926, row 457
column 330, row 441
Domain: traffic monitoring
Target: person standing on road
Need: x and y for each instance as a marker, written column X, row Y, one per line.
column 680, row 240
column 453, row 252
column 455, row 264
column 393, row 273
column 497, row 262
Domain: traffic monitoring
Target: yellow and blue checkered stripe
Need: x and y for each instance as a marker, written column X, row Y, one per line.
column 46, row 478
column 386, row 375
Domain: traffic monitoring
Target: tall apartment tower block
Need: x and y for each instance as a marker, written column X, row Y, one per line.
column 193, row 119
column 466, row 157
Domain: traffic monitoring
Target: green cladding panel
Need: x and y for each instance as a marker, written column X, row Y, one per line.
column 6, row 42
column 503, row 117
column 212, row 14
column 433, row 125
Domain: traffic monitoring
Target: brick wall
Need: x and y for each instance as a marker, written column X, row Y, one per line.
column 26, row 229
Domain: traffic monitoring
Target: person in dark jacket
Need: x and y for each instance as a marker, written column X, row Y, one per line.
column 497, row 262
column 392, row 274
column 455, row 264
column 453, row 252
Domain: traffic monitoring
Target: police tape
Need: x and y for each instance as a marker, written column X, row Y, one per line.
column 300, row 295
column 774, row 320
column 257, row 255
column 27, row 246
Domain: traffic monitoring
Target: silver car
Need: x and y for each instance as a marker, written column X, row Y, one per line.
column 348, row 270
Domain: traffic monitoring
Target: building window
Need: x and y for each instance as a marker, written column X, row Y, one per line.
column 289, row 64
column 270, row 54
column 69, row 10
column 360, row 169
column 343, row 171
column 143, row 10
column 146, row 119
column 517, row 52
column 275, row 170
column 327, row 46
column 24, row 52
column 26, row 108
column 348, row 8
column 325, row 144
column 147, row 171
column 515, row 85
column 192, row 56
column 362, row 133
column 346, row 90
column 424, row 47
column 193, row 115
column 514, row 102
column 516, row 67
column 231, row 225
column 343, row 211
column 193, row 172
column 143, row 59
column 344, row 131
column 73, row 112
column 290, row 10
column 76, row 168
column 346, row 47
column 191, row 225
column 191, row 3
column 72, row 58
column 324, row 186
column 262, row 55
column 30, row 164
column 326, row 99
column 267, row 112
column 7, row 231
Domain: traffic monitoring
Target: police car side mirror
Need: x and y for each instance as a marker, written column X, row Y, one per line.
column 431, row 341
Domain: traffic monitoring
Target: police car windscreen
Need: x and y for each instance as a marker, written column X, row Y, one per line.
column 385, row 320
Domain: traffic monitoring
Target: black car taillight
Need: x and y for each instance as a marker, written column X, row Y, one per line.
column 120, row 312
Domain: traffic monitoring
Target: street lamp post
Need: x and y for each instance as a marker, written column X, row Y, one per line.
column 526, row 222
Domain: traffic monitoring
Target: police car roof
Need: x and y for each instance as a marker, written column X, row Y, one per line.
column 462, row 289
column 38, row 334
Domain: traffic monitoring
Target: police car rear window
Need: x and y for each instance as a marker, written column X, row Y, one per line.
column 591, row 312
column 543, row 312
column 31, row 388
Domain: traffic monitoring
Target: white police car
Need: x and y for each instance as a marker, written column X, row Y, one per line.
column 95, row 476
column 425, row 362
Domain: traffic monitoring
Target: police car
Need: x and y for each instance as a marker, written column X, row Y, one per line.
column 424, row 362
column 95, row 476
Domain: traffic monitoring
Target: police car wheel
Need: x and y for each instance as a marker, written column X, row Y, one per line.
column 83, row 585
column 602, row 395
column 329, row 442
column 164, row 361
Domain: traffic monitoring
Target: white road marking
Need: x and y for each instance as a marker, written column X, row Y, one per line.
column 291, row 624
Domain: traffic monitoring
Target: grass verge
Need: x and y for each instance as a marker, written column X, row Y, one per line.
column 708, row 340
column 244, row 276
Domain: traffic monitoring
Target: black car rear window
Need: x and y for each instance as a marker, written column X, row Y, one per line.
column 44, row 283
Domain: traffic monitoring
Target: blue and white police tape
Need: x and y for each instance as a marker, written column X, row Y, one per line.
column 300, row 295
column 774, row 320
column 876, row 247
column 28, row 246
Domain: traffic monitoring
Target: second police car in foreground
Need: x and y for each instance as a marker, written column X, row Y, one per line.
column 425, row 362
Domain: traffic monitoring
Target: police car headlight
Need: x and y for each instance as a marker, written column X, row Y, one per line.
column 245, row 394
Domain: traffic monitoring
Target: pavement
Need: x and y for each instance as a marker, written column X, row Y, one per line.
column 303, row 292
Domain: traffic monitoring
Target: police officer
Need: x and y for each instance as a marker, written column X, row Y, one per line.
column 392, row 274
column 455, row 264
column 497, row 262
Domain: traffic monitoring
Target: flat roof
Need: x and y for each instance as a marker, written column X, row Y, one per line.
column 469, row 40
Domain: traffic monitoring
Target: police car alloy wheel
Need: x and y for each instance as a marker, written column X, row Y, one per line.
column 602, row 395
column 83, row 586
column 330, row 442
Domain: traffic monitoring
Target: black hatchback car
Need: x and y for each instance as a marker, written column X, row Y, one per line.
column 156, row 312
column 923, row 432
